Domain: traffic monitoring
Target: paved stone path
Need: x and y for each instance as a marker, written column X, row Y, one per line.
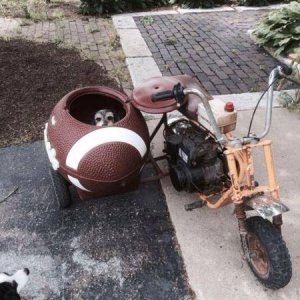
column 94, row 37
column 214, row 47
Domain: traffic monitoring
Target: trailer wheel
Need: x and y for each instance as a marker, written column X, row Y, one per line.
column 269, row 257
column 61, row 189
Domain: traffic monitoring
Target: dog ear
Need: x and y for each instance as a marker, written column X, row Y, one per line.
column 8, row 291
column 14, row 284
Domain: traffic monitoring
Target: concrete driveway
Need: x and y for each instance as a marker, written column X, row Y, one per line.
column 209, row 239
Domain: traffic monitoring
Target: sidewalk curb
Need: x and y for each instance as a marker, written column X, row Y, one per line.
column 200, row 10
column 139, row 59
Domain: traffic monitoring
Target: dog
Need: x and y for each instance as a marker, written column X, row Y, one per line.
column 10, row 285
column 105, row 117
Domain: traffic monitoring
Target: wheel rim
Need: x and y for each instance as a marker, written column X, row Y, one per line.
column 258, row 256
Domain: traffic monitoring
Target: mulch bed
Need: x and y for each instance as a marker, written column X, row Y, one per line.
column 33, row 78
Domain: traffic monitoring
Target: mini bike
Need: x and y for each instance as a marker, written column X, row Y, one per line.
column 203, row 155
column 212, row 162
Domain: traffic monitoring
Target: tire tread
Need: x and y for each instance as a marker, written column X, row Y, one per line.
column 61, row 189
column 280, row 266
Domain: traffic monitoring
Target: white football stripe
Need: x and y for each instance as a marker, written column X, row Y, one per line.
column 53, row 121
column 102, row 136
column 50, row 151
column 77, row 183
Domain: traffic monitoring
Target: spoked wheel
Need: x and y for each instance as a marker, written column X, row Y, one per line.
column 269, row 257
column 61, row 189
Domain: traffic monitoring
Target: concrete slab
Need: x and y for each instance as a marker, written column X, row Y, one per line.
column 133, row 43
column 118, row 247
column 209, row 238
column 141, row 69
column 204, row 10
column 269, row 7
column 149, row 13
column 124, row 22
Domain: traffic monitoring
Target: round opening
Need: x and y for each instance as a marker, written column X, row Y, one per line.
column 91, row 106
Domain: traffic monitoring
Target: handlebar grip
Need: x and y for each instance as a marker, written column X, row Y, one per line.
column 286, row 70
column 161, row 96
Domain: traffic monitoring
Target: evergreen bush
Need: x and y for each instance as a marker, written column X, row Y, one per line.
column 116, row 6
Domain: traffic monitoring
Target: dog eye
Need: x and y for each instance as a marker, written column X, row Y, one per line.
column 98, row 119
column 110, row 118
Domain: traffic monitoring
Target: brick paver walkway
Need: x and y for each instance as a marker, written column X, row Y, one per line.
column 94, row 37
column 214, row 47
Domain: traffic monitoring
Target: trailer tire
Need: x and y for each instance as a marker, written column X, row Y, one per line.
column 61, row 189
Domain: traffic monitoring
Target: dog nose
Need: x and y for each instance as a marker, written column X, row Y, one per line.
column 26, row 271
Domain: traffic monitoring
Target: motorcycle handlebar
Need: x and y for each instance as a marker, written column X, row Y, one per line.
column 179, row 92
column 286, row 70
column 274, row 75
column 162, row 96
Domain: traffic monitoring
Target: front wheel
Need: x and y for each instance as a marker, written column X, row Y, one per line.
column 268, row 257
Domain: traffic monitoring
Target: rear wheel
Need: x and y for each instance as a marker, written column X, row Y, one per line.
column 61, row 189
column 269, row 257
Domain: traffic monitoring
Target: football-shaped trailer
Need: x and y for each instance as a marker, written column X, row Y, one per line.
column 97, row 160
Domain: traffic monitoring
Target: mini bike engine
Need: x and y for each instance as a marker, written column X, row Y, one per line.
column 196, row 161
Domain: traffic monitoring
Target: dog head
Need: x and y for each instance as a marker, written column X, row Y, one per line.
column 10, row 285
column 104, row 117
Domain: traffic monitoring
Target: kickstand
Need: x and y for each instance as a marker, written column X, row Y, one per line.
column 194, row 205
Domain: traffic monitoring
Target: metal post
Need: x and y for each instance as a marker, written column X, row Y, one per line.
column 163, row 120
column 233, row 176
column 277, row 220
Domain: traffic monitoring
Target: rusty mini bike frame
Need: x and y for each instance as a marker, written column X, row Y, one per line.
column 243, row 191
column 243, row 188
column 238, row 185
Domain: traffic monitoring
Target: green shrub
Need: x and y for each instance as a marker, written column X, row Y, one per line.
column 114, row 6
column 254, row 2
column 280, row 30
